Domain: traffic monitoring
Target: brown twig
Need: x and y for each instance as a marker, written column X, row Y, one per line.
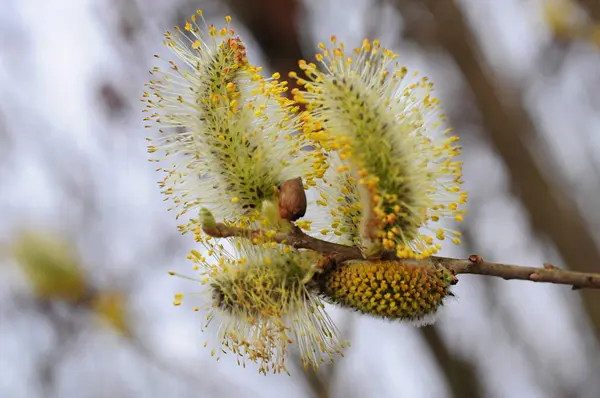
column 475, row 264
column 296, row 238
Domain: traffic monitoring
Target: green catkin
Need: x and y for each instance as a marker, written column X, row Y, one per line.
column 225, row 131
column 262, row 304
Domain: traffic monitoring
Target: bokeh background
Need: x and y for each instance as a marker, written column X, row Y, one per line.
column 86, row 241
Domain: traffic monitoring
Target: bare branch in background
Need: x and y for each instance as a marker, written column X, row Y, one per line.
column 592, row 7
column 320, row 381
column 67, row 331
column 460, row 374
column 417, row 23
column 273, row 23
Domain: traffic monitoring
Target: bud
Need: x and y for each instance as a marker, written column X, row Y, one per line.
column 292, row 199
column 207, row 220
column 387, row 289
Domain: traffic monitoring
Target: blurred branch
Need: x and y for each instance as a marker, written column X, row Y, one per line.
column 592, row 7
column 67, row 332
column 273, row 25
column 317, row 383
column 373, row 24
column 337, row 254
column 417, row 23
column 321, row 381
column 460, row 374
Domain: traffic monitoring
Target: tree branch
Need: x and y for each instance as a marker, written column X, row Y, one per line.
column 337, row 254
column 592, row 7
column 296, row 238
column 460, row 373
column 550, row 274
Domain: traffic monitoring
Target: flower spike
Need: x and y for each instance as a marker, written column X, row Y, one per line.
column 263, row 304
column 224, row 128
column 387, row 128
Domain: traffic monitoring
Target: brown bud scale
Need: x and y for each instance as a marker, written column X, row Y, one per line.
column 292, row 200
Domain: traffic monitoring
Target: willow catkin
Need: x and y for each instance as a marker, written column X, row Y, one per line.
column 393, row 290
column 225, row 131
column 388, row 129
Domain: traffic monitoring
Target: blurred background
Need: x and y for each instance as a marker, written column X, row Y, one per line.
column 86, row 241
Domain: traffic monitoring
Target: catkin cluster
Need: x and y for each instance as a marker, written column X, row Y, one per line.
column 358, row 155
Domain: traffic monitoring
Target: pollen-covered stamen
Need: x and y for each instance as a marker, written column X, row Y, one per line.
column 387, row 289
column 338, row 212
column 387, row 128
column 348, row 212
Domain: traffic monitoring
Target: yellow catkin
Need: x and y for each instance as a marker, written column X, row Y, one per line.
column 387, row 289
